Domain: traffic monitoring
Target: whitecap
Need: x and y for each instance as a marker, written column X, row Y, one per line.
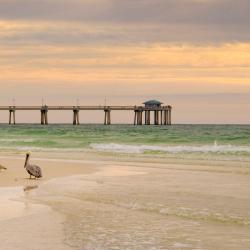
column 137, row 149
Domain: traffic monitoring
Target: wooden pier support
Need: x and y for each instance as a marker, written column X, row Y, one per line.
column 76, row 120
column 147, row 117
column 135, row 116
column 12, row 113
column 138, row 118
column 139, row 121
column 167, row 116
column 107, row 117
column 170, row 116
column 44, row 115
column 156, row 116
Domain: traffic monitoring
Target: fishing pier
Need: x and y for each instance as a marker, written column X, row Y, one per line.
column 142, row 114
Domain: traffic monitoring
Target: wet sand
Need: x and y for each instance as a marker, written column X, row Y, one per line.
column 29, row 226
column 25, row 225
column 153, row 207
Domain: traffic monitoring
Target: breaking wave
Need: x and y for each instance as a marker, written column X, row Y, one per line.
column 139, row 149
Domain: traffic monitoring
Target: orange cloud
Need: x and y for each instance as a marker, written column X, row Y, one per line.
column 228, row 63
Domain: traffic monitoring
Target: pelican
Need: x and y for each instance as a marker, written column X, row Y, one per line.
column 32, row 170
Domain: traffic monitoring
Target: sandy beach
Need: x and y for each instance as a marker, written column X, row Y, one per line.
column 16, row 175
column 24, row 224
column 121, row 205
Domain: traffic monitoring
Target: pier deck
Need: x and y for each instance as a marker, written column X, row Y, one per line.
column 162, row 114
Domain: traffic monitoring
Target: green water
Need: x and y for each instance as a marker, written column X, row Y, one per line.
column 166, row 140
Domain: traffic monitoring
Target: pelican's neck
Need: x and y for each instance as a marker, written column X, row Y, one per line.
column 26, row 160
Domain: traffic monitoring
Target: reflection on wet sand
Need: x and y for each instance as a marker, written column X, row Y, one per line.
column 29, row 187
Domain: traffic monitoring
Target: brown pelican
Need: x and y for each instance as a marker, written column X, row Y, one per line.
column 32, row 170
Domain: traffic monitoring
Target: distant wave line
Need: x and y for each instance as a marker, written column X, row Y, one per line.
column 139, row 149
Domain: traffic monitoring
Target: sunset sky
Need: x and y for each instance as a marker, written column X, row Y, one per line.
column 191, row 54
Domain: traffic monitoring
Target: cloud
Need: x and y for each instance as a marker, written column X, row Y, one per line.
column 61, row 32
column 165, row 66
column 131, row 10
column 135, row 20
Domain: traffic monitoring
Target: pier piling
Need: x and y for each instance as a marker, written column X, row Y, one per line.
column 107, row 116
column 44, row 115
column 12, row 113
column 76, row 120
column 169, row 117
column 135, row 117
column 147, row 121
column 138, row 116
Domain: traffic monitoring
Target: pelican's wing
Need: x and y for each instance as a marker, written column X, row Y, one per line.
column 34, row 170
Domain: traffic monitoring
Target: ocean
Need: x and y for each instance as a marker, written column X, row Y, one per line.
column 208, row 142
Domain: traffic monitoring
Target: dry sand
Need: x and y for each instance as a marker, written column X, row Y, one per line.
column 16, row 175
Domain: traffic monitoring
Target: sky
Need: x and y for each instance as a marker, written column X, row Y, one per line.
column 191, row 54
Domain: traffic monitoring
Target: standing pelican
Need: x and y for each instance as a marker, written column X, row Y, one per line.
column 33, row 170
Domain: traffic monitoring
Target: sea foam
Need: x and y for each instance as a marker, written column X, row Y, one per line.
column 139, row 149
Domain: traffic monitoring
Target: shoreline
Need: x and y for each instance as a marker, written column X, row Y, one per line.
column 59, row 165
column 21, row 218
column 16, row 175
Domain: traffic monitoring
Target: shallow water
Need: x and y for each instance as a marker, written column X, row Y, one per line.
column 152, row 208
